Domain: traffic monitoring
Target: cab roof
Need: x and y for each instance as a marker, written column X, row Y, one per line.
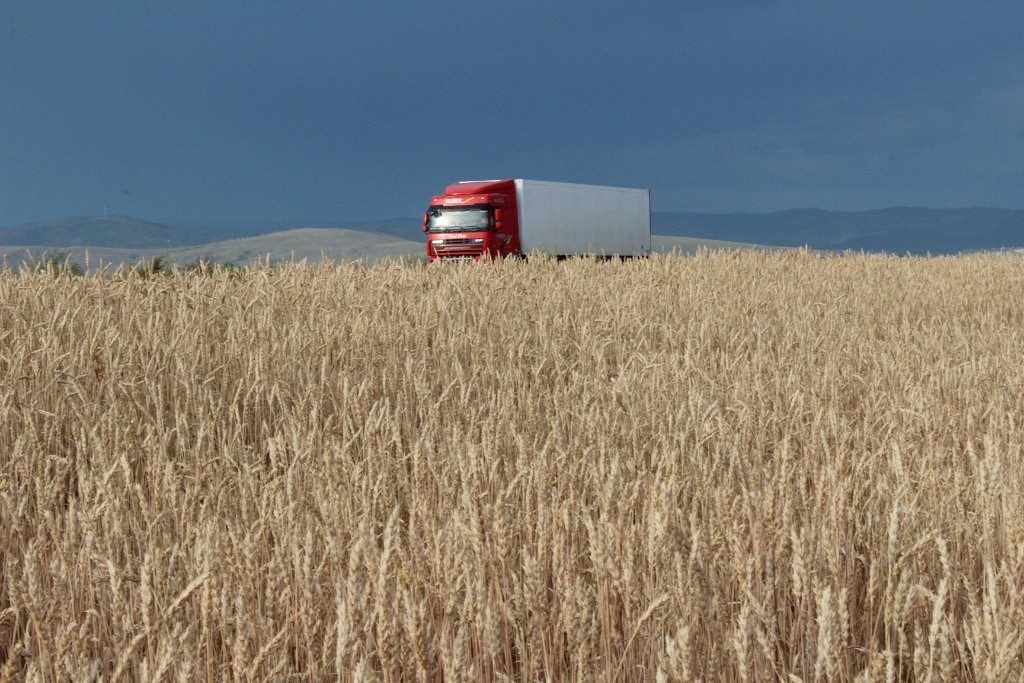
column 480, row 187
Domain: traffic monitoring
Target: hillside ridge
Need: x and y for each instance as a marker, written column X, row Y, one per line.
column 900, row 230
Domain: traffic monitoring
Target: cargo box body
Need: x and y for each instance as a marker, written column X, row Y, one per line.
column 566, row 219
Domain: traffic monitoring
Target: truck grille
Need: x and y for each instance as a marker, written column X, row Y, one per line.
column 458, row 248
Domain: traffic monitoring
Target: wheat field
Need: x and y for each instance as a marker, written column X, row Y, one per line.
column 726, row 467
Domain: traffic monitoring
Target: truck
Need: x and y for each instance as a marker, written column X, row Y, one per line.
column 477, row 219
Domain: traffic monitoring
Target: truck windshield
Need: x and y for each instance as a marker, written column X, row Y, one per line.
column 447, row 219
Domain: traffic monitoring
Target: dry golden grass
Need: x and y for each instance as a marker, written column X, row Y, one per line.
column 737, row 466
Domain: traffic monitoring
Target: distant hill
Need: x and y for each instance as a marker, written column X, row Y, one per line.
column 402, row 228
column 688, row 246
column 100, row 231
column 896, row 230
column 120, row 232
column 310, row 244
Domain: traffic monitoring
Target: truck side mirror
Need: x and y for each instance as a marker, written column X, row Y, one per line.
column 497, row 219
column 426, row 220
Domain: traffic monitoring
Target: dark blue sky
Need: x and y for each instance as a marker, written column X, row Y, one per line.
column 317, row 111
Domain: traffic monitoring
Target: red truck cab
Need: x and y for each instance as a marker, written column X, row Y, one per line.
column 473, row 219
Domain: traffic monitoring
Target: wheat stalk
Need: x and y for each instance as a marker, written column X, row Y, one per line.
column 797, row 466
